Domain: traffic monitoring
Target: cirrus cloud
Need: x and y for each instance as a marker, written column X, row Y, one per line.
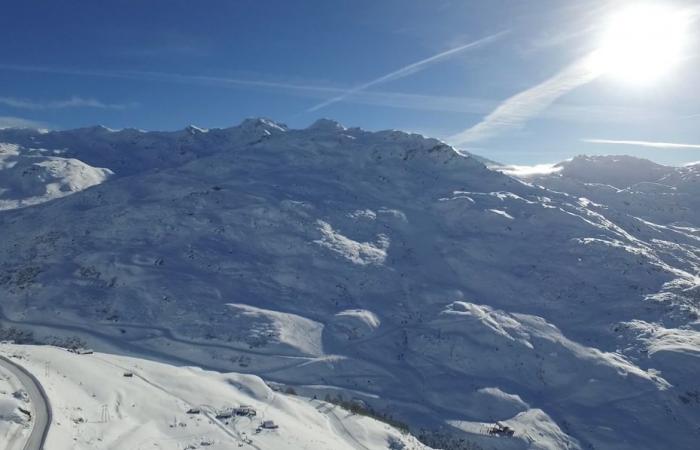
column 18, row 122
column 651, row 144
column 408, row 70
column 72, row 102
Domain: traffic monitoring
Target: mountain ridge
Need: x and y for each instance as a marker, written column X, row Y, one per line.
column 384, row 264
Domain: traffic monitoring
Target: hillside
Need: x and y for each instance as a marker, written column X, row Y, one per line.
column 642, row 189
column 620, row 171
column 31, row 176
column 385, row 266
column 108, row 401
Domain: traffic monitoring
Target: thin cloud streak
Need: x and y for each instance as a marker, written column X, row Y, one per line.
column 470, row 105
column 18, row 122
column 389, row 99
column 171, row 77
column 651, row 144
column 515, row 111
column 73, row 102
column 408, row 70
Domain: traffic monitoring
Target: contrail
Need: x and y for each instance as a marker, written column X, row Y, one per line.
column 165, row 76
column 667, row 145
column 516, row 110
column 408, row 70
column 374, row 97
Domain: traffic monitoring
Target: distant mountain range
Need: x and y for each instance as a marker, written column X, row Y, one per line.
column 382, row 265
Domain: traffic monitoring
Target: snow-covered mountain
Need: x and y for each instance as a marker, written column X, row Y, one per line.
column 620, row 171
column 30, row 176
column 108, row 401
column 385, row 266
column 130, row 151
column 640, row 188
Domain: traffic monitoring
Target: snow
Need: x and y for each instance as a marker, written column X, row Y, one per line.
column 366, row 214
column 362, row 253
column 502, row 213
column 95, row 405
column 326, row 125
column 619, row 171
column 299, row 333
column 533, row 428
column 354, row 324
column 195, row 129
column 384, row 267
column 14, row 425
column 32, row 176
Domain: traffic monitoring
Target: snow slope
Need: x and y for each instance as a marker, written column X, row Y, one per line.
column 384, row 266
column 131, row 151
column 37, row 166
column 619, row 171
column 14, row 424
column 96, row 406
column 32, row 176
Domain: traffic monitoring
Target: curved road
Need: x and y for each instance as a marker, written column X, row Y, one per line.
column 41, row 408
column 140, row 350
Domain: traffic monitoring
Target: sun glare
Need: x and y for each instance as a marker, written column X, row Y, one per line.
column 641, row 43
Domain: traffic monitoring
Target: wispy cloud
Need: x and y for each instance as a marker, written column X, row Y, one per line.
column 470, row 105
column 390, row 99
column 529, row 171
column 172, row 77
column 664, row 145
column 18, row 122
column 565, row 24
column 517, row 110
column 73, row 102
column 408, row 70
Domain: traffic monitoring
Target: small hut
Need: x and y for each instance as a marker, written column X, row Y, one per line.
column 269, row 425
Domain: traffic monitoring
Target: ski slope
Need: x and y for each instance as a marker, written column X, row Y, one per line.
column 97, row 406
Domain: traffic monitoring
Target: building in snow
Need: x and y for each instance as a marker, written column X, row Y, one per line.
column 269, row 425
column 245, row 410
column 225, row 413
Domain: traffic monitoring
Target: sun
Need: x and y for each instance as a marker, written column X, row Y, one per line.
column 641, row 43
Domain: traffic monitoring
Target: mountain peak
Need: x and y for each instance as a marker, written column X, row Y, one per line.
column 262, row 123
column 99, row 129
column 385, row 254
column 610, row 159
column 620, row 171
column 326, row 125
column 193, row 130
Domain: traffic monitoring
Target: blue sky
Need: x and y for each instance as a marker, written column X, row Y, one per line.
column 162, row 65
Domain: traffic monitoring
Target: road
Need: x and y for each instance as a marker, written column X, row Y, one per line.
column 41, row 408
column 133, row 348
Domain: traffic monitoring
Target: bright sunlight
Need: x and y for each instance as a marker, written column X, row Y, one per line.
column 642, row 43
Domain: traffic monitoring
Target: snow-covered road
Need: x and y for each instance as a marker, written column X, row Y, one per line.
column 41, row 409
